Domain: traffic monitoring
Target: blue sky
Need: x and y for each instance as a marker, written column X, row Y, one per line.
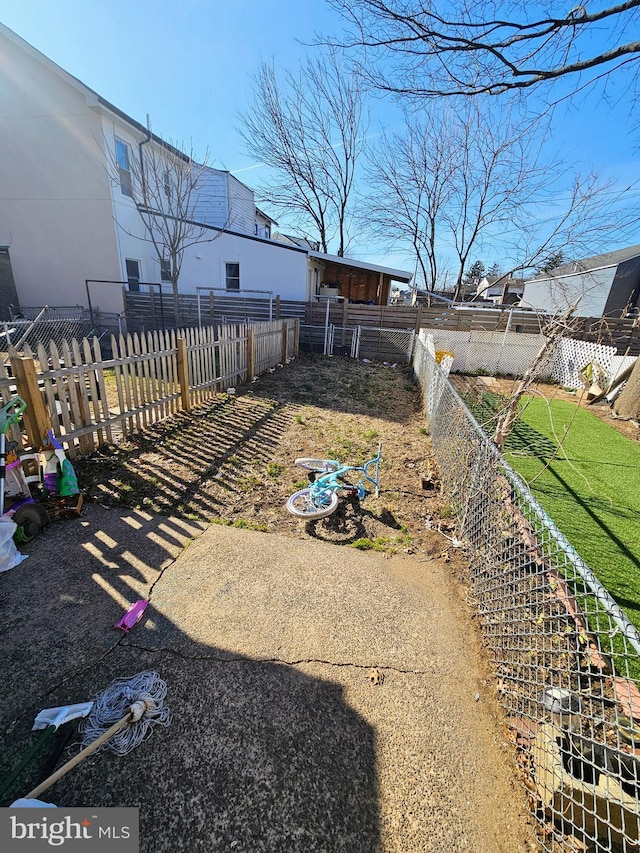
column 189, row 65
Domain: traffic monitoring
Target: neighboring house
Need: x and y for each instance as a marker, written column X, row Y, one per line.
column 68, row 215
column 606, row 285
column 497, row 289
column 292, row 240
column 264, row 224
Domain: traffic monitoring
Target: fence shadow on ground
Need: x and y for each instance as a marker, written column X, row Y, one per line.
column 183, row 463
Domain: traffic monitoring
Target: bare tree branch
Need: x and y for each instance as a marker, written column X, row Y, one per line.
column 463, row 48
column 165, row 184
column 309, row 131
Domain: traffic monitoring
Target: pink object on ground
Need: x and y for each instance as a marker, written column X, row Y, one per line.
column 133, row 615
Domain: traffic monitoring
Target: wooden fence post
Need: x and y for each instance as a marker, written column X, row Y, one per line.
column 296, row 339
column 183, row 374
column 251, row 354
column 418, row 318
column 36, row 417
column 285, row 343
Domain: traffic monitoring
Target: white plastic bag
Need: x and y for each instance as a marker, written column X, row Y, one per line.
column 9, row 554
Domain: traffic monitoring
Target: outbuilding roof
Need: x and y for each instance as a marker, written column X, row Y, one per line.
column 396, row 275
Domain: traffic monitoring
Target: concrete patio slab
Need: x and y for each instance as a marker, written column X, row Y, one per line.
column 279, row 739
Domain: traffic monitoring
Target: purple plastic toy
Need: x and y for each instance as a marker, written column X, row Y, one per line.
column 132, row 616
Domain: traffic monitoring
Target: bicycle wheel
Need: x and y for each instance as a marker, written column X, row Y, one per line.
column 323, row 465
column 309, row 504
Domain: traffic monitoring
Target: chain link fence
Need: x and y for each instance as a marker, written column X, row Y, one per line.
column 566, row 658
column 33, row 326
column 386, row 345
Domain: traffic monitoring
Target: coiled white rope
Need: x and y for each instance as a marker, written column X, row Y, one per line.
column 143, row 695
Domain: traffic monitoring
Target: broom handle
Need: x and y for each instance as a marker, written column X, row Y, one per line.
column 73, row 762
column 26, row 758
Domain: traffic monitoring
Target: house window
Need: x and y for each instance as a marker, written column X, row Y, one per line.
column 133, row 275
column 167, row 184
column 165, row 270
column 232, row 276
column 123, row 159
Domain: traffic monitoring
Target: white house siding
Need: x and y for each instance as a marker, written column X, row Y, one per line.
column 212, row 204
column 223, row 201
column 551, row 295
column 264, row 265
column 56, row 215
column 132, row 241
column 242, row 207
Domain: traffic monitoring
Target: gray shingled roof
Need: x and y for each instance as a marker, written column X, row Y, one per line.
column 608, row 259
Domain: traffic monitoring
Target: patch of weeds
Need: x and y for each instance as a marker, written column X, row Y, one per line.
column 243, row 524
column 299, row 420
column 234, row 460
column 245, row 484
column 274, row 470
column 223, row 521
column 382, row 543
column 370, row 434
column 300, row 484
column 446, row 511
column 424, row 431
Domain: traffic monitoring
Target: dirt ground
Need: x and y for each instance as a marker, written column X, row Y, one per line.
column 232, row 461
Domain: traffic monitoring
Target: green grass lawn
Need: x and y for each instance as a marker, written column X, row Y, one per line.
column 590, row 487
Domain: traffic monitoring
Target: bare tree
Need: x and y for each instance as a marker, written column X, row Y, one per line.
column 409, row 180
column 499, row 172
column 471, row 48
column 165, row 184
column 469, row 180
column 578, row 223
column 553, row 328
column 309, row 130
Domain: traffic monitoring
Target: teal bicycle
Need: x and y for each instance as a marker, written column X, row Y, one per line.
column 320, row 498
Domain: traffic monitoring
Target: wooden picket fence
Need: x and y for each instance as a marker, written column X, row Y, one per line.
column 88, row 400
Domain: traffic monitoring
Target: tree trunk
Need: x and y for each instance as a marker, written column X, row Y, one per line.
column 627, row 404
column 510, row 412
column 176, row 303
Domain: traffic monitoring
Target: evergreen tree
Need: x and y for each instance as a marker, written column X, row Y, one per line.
column 474, row 276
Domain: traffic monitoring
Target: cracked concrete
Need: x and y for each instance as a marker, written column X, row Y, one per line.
column 279, row 740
